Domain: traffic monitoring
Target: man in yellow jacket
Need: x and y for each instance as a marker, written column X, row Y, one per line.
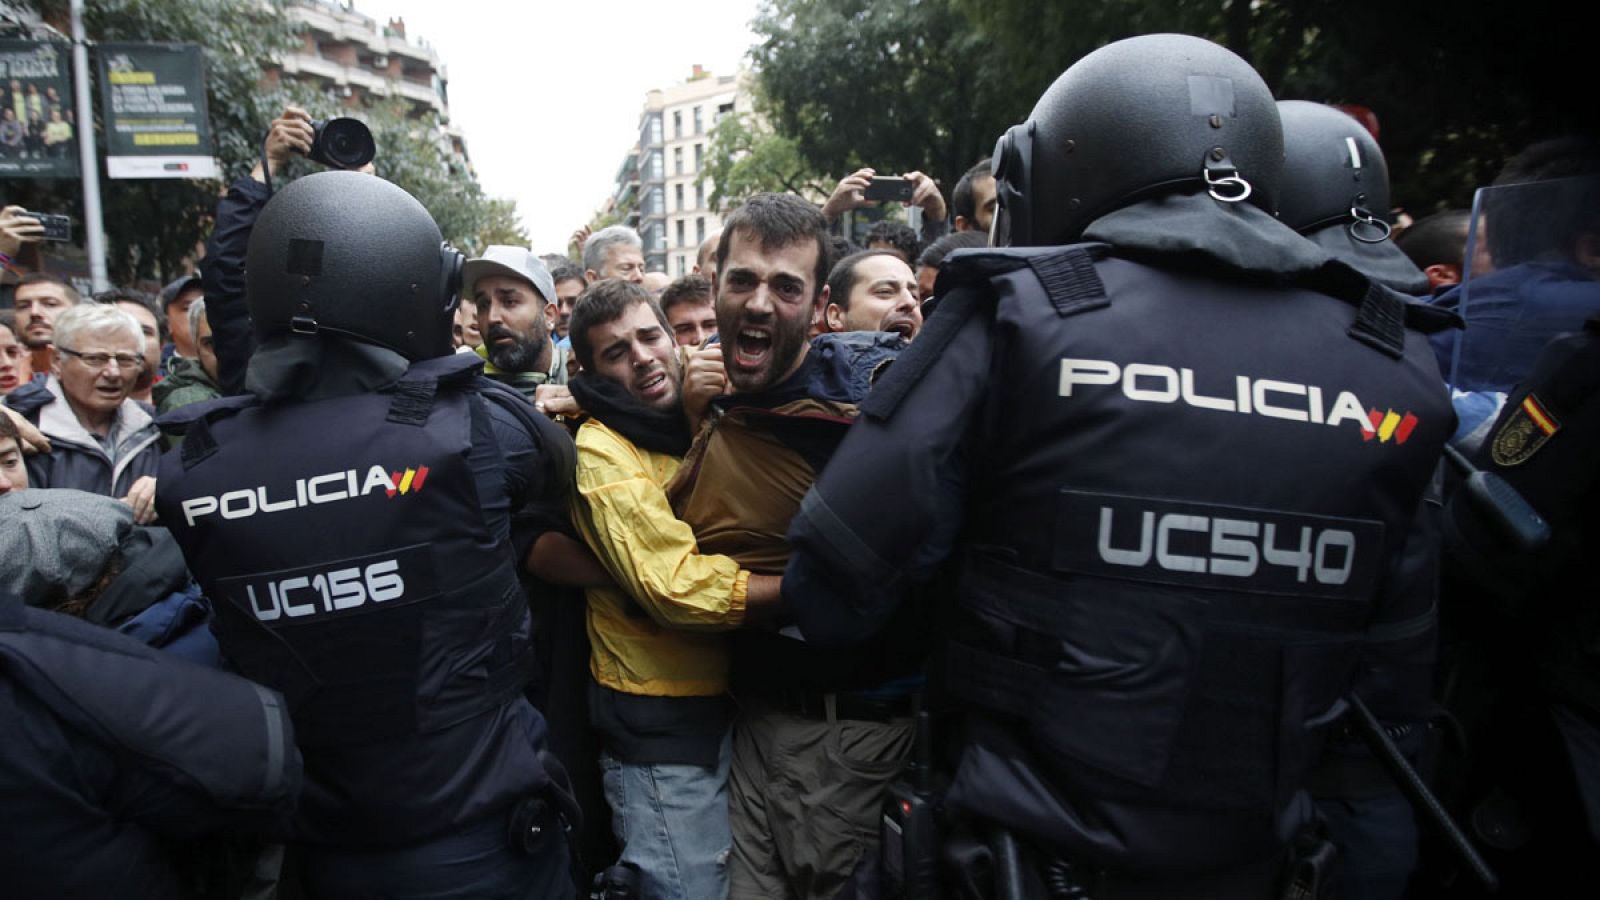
column 659, row 660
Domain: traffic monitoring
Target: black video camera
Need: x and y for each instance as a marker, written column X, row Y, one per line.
column 341, row 143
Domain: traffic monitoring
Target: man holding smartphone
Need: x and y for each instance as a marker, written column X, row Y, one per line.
column 865, row 188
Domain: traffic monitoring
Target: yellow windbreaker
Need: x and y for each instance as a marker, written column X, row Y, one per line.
column 659, row 635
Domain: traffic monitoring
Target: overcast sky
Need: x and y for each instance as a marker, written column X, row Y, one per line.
column 548, row 93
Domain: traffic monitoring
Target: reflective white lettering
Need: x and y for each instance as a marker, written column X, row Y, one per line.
column 1196, row 399
column 299, row 582
column 1259, row 395
column 1346, row 406
column 270, row 612
column 274, row 506
column 230, row 510
column 1156, row 383
column 1120, row 557
column 1345, row 541
column 377, row 480
column 1167, row 393
column 1229, row 554
column 1178, row 562
column 194, row 507
column 1087, row 371
column 317, row 496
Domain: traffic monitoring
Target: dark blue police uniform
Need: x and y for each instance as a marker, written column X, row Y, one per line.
column 114, row 754
column 1177, row 471
column 356, row 546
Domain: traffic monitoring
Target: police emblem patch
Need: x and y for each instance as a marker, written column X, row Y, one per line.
column 1524, row 432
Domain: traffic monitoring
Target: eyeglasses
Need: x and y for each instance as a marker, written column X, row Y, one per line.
column 101, row 361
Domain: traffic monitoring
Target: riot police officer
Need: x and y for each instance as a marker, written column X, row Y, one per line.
column 1175, row 451
column 1336, row 193
column 350, row 517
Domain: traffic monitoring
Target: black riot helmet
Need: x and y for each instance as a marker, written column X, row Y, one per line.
column 1333, row 172
column 1150, row 115
column 1336, row 192
column 356, row 256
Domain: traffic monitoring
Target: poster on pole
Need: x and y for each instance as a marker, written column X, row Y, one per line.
column 153, row 101
column 38, row 131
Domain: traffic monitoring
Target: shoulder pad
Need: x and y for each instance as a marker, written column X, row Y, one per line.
column 1429, row 319
column 969, row 265
column 1067, row 273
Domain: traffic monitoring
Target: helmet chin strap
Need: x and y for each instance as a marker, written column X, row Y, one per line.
column 1222, row 178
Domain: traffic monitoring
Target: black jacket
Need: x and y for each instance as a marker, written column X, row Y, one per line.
column 112, row 751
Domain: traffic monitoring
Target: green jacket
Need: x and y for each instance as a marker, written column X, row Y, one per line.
column 186, row 383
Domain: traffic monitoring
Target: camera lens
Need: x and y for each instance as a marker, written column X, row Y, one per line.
column 344, row 144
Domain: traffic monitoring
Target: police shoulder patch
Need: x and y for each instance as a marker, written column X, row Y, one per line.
column 1523, row 432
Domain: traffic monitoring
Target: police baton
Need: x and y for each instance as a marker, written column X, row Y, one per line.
column 1411, row 784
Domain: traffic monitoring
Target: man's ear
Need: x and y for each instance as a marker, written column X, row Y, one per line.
column 962, row 223
column 1442, row 275
column 833, row 317
column 590, row 276
column 551, row 313
column 818, row 311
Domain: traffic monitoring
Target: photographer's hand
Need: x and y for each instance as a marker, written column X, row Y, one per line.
column 289, row 133
column 17, row 229
column 848, row 195
column 925, row 193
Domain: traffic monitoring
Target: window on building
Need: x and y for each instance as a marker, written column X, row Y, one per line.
column 699, row 123
column 682, row 242
column 654, row 171
column 678, row 191
column 677, row 123
column 699, row 231
column 700, row 196
column 699, row 156
column 677, row 160
column 724, row 109
column 683, row 265
column 654, row 131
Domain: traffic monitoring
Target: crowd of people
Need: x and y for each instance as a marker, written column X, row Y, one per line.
column 1064, row 525
column 34, row 124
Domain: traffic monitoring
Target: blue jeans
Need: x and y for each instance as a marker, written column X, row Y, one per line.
column 672, row 822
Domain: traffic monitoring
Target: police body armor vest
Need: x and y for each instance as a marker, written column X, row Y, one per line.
column 1188, row 495
column 345, row 550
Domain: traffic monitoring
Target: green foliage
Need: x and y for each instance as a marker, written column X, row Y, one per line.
column 501, row 225
column 891, row 84
column 153, row 226
column 930, row 84
column 748, row 157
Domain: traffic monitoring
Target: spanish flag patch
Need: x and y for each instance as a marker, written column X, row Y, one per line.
column 1527, row 429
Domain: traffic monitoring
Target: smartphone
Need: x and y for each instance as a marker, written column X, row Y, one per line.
column 56, row 228
column 883, row 187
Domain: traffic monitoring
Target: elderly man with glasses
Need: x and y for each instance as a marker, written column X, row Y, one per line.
column 101, row 441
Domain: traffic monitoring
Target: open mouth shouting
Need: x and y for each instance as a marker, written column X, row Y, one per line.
column 752, row 348
column 905, row 326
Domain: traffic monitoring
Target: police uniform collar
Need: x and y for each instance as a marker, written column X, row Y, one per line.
column 314, row 368
column 1382, row 261
column 1235, row 239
